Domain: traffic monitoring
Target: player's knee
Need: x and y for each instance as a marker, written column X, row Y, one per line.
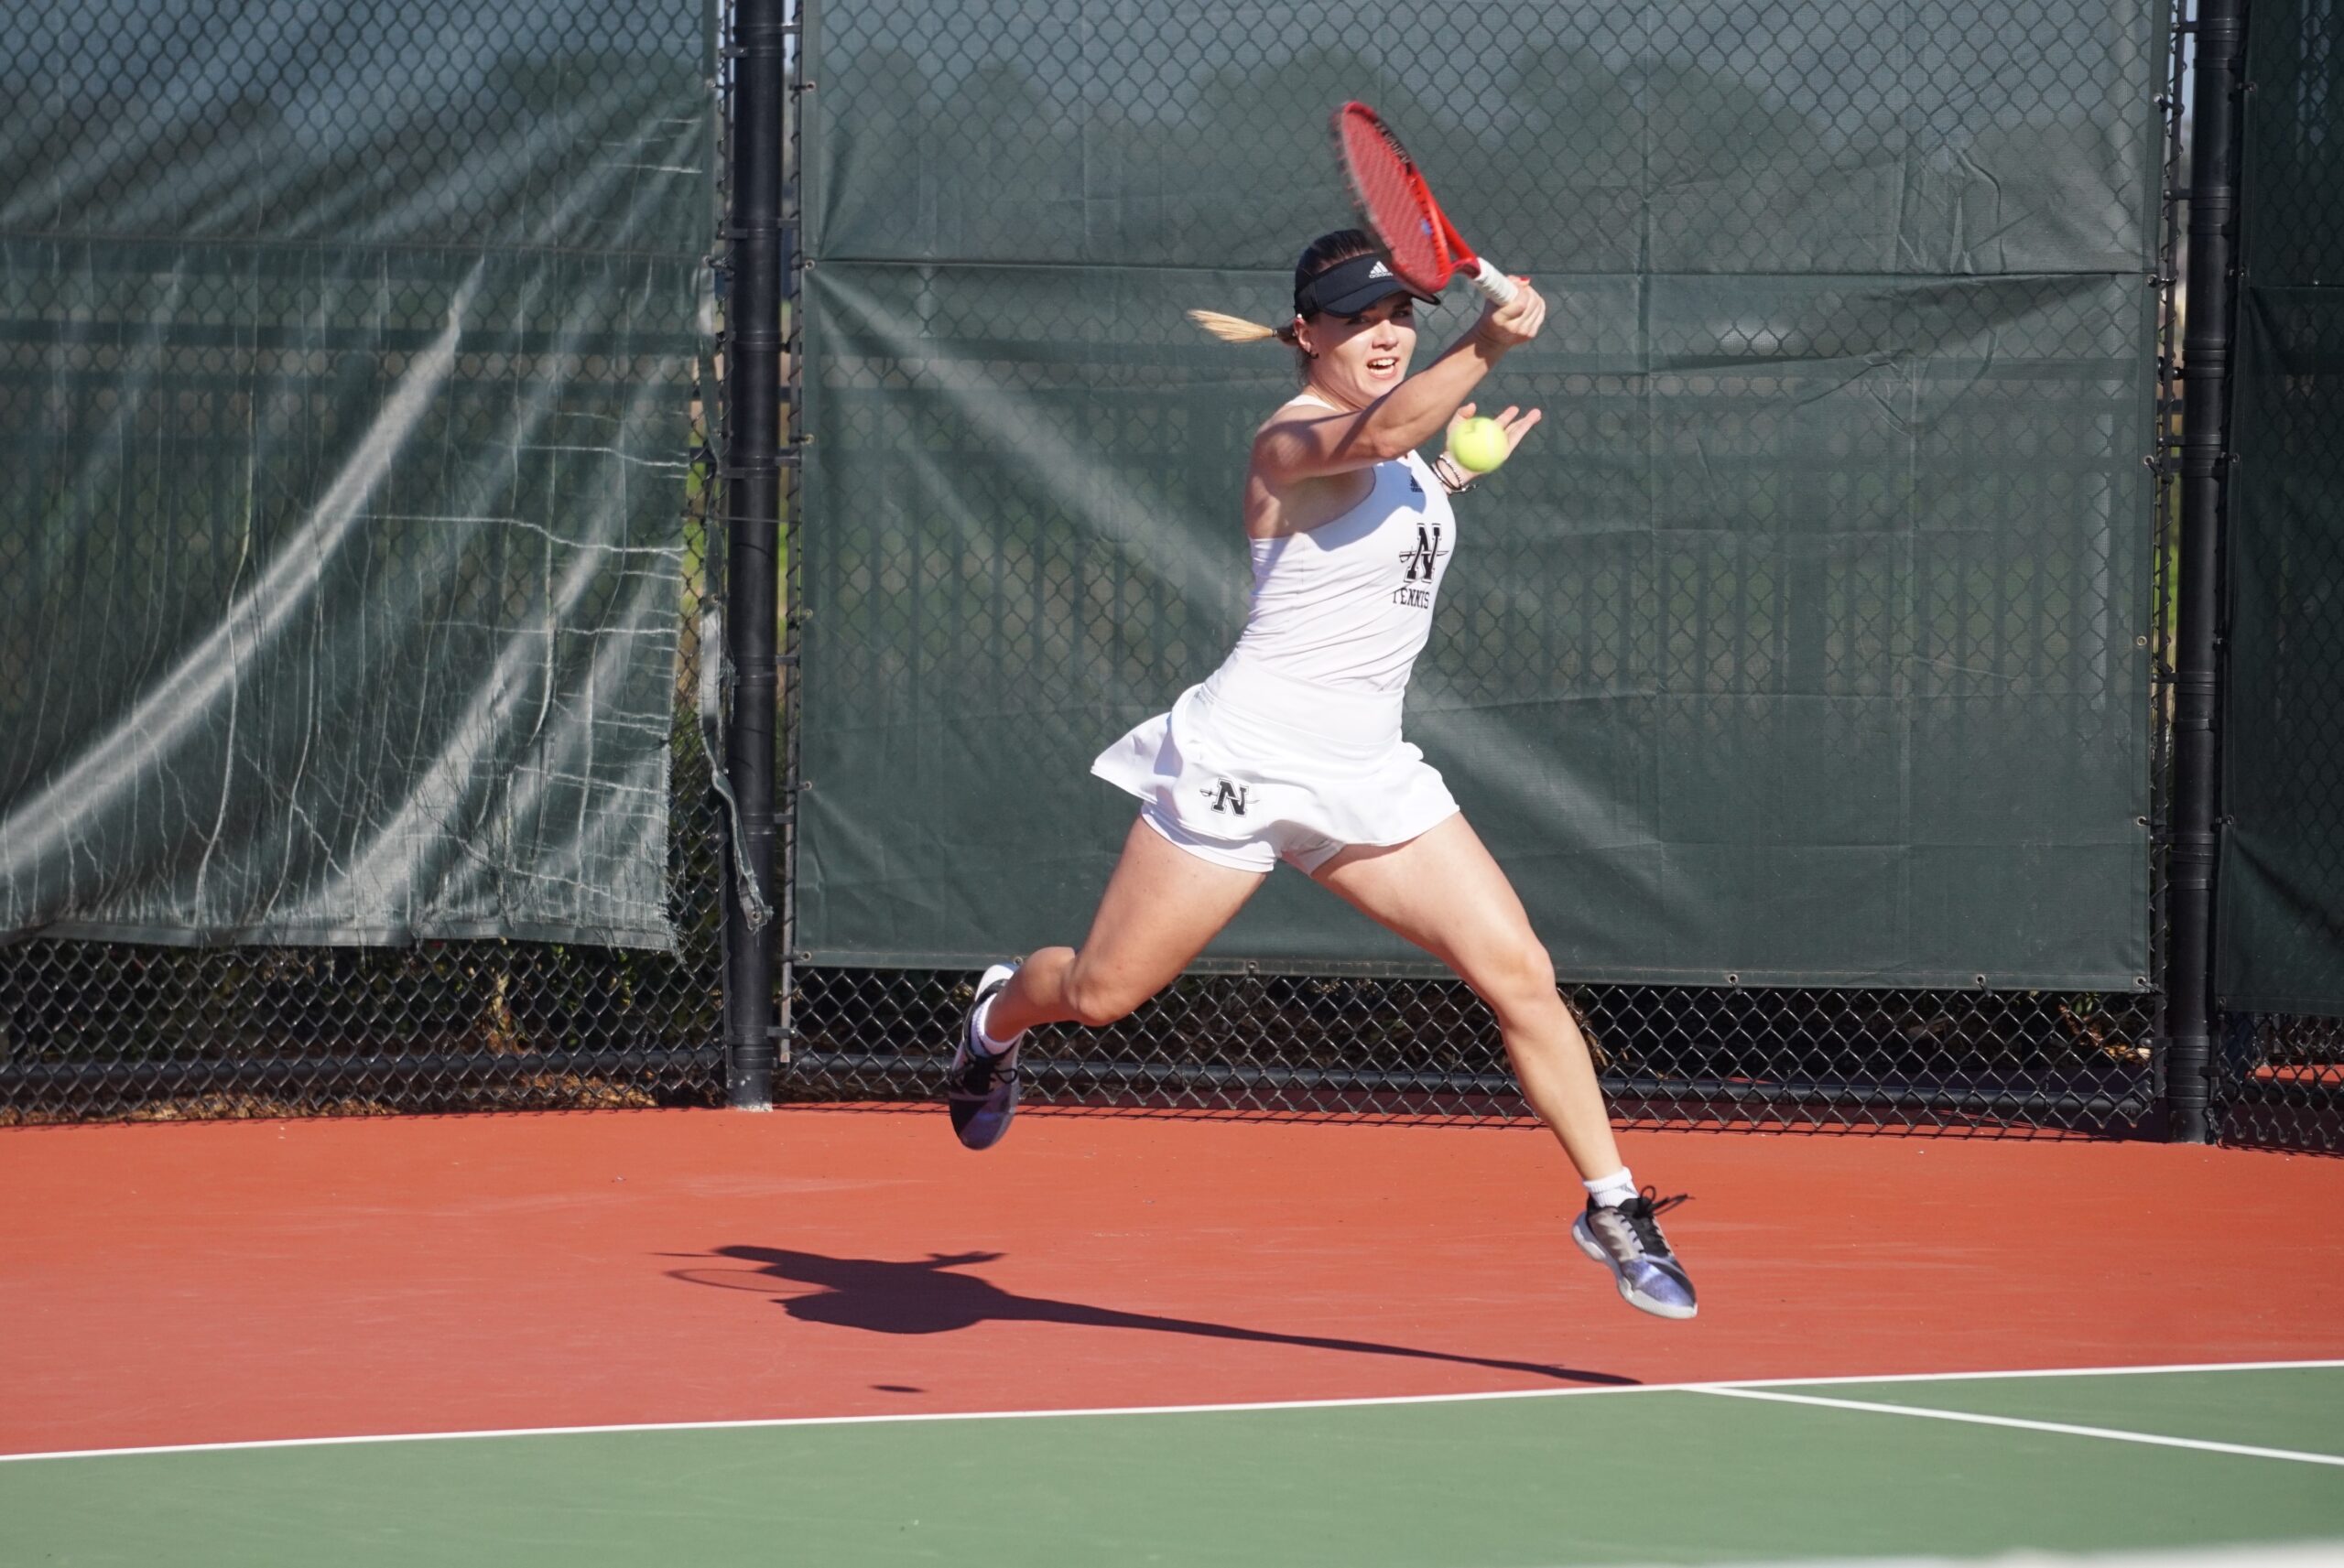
column 1098, row 1000
column 1518, row 974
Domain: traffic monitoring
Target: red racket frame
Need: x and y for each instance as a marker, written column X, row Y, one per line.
column 1392, row 195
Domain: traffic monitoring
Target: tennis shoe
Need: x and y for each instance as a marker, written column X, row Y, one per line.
column 1626, row 1240
column 981, row 1088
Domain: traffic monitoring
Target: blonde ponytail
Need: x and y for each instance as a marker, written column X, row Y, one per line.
column 1237, row 330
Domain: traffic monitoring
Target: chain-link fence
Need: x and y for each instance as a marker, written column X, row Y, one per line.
column 1670, row 1056
column 352, row 557
column 2280, row 1078
column 1805, row 689
column 1851, row 597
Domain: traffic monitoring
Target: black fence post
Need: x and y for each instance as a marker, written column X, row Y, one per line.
column 753, row 520
column 2205, row 467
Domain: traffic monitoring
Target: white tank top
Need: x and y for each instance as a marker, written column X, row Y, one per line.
column 1349, row 603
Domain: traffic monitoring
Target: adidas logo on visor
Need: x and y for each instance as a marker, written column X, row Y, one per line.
column 1379, row 270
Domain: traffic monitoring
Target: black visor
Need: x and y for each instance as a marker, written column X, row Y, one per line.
column 1350, row 286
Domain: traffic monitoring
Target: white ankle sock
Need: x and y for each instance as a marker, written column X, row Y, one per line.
column 1613, row 1190
column 984, row 1036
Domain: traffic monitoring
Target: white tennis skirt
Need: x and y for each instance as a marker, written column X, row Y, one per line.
column 1253, row 758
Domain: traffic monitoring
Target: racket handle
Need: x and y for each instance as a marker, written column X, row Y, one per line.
column 1495, row 286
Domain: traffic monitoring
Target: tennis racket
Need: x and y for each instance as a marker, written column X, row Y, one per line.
column 1427, row 251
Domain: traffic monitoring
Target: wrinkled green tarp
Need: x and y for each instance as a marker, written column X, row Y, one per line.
column 1805, row 644
column 345, row 379
column 2280, row 926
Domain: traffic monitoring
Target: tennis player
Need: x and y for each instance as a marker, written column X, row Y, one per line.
column 1291, row 749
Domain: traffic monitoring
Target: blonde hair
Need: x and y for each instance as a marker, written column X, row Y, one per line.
column 1326, row 251
column 1237, row 330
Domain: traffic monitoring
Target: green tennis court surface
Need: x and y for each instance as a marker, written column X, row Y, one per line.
column 1720, row 1473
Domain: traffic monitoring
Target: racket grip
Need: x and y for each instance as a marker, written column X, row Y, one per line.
column 1495, row 286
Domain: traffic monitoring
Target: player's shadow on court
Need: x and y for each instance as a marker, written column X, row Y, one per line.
column 934, row 1297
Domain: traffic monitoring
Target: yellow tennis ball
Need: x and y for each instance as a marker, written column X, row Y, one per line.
column 1479, row 444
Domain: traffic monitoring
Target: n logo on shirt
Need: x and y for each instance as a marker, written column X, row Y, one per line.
column 1227, row 798
column 1426, row 557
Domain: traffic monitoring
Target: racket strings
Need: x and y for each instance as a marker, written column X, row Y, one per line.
column 1392, row 196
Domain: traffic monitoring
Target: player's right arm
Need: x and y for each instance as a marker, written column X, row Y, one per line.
column 1297, row 444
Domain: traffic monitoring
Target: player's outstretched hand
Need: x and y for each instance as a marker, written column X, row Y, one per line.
column 1515, row 322
column 1516, row 423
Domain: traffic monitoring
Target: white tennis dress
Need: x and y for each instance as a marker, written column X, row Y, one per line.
column 1291, row 749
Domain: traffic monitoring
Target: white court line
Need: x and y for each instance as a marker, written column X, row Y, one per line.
column 2286, row 1554
column 910, row 1417
column 1927, row 1413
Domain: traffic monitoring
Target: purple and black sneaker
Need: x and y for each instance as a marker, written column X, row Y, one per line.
column 1627, row 1240
column 981, row 1088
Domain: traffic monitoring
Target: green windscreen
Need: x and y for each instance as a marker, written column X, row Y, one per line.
column 2280, row 928
column 1803, row 643
column 345, row 383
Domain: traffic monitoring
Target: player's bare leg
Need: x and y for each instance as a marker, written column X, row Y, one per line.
column 1444, row 893
column 1161, row 906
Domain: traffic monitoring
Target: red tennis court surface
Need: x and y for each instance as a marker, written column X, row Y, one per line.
column 230, row 1281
